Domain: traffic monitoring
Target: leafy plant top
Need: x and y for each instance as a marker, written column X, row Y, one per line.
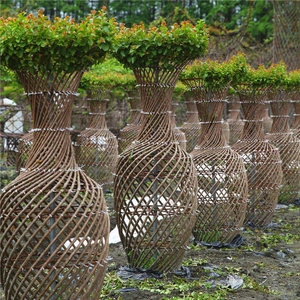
column 293, row 81
column 35, row 44
column 273, row 77
column 161, row 46
column 179, row 89
column 214, row 75
column 91, row 81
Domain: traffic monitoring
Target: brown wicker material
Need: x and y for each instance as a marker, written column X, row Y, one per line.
column 236, row 125
column 192, row 127
column 222, row 181
column 226, row 130
column 54, row 223
column 261, row 158
column 288, row 145
column 12, row 142
column 267, row 120
column 155, row 187
column 96, row 147
column 179, row 135
column 24, row 148
column 130, row 132
column 296, row 122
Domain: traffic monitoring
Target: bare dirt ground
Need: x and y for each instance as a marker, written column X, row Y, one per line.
column 268, row 266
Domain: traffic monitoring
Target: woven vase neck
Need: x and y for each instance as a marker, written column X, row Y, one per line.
column 192, row 113
column 51, row 108
column 210, row 105
column 98, row 112
column 234, row 109
column 296, row 122
column 156, row 88
column 280, row 105
column 135, row 116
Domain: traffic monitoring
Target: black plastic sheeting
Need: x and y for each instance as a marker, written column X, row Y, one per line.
column 235, row 243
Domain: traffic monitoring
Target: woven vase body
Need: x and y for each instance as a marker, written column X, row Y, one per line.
column 24, row 148
column 130, row 132
column 236, row 125
column 267, row 120
column 261, row 158
column 296, row 122
column 54, row 224
column 222, row 181
column 179, row 135
column 155, row 187
column 192, row 127
column 288, row 145
column 96, row 147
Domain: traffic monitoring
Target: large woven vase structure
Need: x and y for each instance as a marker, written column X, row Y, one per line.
column 179, row 135
column 130, row 132
column 296, row 122
column 222, row 180
column 288, row 145
column 155, row 186
column 24, row 148
column 261, row 158
column 267, row 120
column 54, row 223
column 192, row 126
column 236, row 125
column 96, row 147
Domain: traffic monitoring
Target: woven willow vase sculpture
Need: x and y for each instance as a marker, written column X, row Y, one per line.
column 24, row 148
column 222, row 181
column 129, row 133
column 236, row 125
column 155, row 186
column 179, row 135
column 54, row 224
column 261, row 158
column 288, row 145
column 267, row 120
column 97, row 147
column 192, row 127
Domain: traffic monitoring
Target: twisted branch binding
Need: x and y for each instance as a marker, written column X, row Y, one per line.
column 261, row 158
column 97, row 147
column 54, row 224
column 179, row 135
column 288, row 145
column 130, row 132
column 192, row 127
column 222, row 181
column 236, row 125
column 267, row 120
column 155, row 185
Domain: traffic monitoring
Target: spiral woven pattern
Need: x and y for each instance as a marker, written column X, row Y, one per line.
column 261, row 158
column 179, row 135
column 54, row 225
column 155, row 187
column 130, row 132
column 288, row 145
column 96, row 147
column 222, row 181
column 236, row 125
column 192, row 126
column 295, row 96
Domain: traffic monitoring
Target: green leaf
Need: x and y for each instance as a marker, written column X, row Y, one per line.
column 105, row 47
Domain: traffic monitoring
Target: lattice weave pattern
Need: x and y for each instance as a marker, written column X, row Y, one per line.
column 288, row 145
column 54, row 224
column 155, row 186
column 261, row 158
column 179, row 135
column 130, row 132
column 24, row 148
column 192, row 127
column 236, row 125
column 97, row 147
column 222, row 181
